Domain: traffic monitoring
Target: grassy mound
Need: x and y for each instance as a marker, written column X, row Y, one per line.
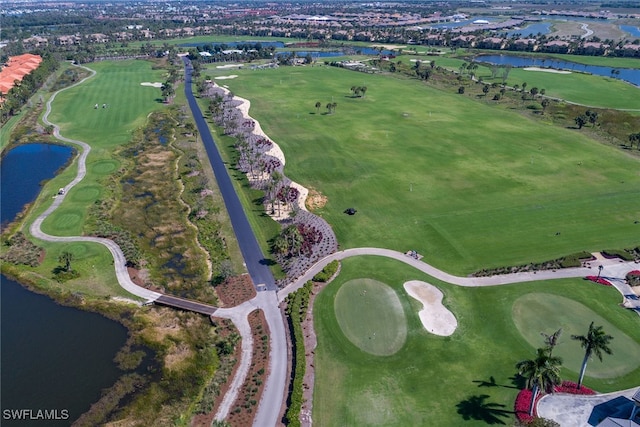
column 371, row 316
column 539, row 312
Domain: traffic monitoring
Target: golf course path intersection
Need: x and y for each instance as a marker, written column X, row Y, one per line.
column 273, row 396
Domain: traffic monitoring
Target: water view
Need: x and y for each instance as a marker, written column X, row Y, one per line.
column 531, row 30
column 22, row 171
column 634, row 31
column 631, row 75
column 53, row 357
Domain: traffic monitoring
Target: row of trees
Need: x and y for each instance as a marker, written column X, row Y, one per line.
column 543, row 372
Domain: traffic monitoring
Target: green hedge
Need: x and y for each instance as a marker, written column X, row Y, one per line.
column 297, row 305
column 327, row 272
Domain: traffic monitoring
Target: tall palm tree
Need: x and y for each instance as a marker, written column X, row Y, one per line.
column 552, row 340
column 541, row 373
column 595, row 342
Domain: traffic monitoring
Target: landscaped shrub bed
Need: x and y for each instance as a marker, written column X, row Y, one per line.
column 633, row 278
column 327, row 272
column 569, row 261
column 572, row 388
column 297, row 304
column 599, row 280
column 625, row 254
column 523, row 400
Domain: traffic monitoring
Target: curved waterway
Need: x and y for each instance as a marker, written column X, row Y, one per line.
column 53, row 358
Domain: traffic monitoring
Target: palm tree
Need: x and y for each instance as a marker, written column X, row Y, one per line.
column 595, row 342
column 541, row 373
column 551, row 340
column 545, row 104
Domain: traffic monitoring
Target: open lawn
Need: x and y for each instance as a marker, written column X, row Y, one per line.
column 462, row 183
column 464, row 379
column 535, row 311
column 577, row 87
column 118, row 85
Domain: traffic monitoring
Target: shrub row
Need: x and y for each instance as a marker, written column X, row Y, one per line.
column 327, row 272
column 297, row 304
column 625, row 254
column 569, row 261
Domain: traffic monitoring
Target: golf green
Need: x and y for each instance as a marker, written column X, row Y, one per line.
column 371, row 316
column 537, row 313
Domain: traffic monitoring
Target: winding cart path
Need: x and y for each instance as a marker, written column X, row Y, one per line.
column 268, row 299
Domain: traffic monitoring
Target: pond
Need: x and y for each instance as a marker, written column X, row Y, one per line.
column 22, row 171
column 531, row 30
column 630, row 75
column 53, row 357
column 634, row 31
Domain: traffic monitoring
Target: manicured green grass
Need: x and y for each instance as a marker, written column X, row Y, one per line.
column 371, row 317
column 465, row 379
column 535, row 311
column 116, row 84
column 462, row 183
column 577, row 87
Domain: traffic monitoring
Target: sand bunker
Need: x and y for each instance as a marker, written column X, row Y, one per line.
column 547, row 70
column 435, row 317
column 222, row 67
column 154, row 84
column 232, row 76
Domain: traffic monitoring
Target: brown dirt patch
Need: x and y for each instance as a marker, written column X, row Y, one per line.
column 315, row 200
column 236, row 290
column 244, row 408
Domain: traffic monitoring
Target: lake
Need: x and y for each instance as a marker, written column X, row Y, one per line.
column 23, row 170
column 53, row 357
column 631, row 75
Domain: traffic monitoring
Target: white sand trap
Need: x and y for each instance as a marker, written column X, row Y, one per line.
column 154, row 84
column 435, row 317
column 422, row 61
column 232, row 76
column 547, row 70
column 223, row 67
column 389, row 46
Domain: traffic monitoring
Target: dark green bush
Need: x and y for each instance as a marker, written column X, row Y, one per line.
column 327, row 272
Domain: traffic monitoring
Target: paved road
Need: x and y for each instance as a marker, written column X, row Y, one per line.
column 254, row 259
column 268, row 411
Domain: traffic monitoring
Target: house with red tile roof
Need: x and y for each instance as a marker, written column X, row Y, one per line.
column 15, row 69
